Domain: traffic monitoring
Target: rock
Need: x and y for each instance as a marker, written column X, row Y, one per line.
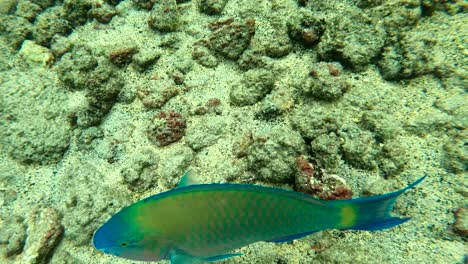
column 353, row 40
column 204, row 133
column 49, row 24
column 88, row 201
column 326, row 81
column 212, row 7
column 173, row 165
column 40, row 131
column 103, row 14
column 272, row 156
column 231, row 39
column 415, row 53
column 7, row 6
column 203, row 56
column 28, row 10
column 252, row 88
column 139, row 170
column 12, row 235
column 81, row 70
column 15, row 29
column 145, row 58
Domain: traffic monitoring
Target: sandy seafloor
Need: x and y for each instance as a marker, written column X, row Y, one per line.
column 393, row 120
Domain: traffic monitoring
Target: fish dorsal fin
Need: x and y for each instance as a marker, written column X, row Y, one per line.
column 187, row 179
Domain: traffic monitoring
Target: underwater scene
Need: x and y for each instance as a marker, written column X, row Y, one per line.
column 233, row 131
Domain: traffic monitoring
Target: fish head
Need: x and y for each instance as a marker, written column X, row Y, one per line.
column 121, row 237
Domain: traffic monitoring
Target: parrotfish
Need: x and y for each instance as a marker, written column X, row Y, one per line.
column 198, row 223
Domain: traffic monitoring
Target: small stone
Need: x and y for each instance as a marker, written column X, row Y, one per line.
column 173, row 164
column 81, row 70
column 212, row 7
column 152, row 97
column 252, row 59
column 461, row 222
column 455, row 154
column 144, row 59
column 277, row 42
column 203, row 56
column 253, row 87
column 36, row 55
column 414, row 54
column 178, row 77
column 76, row 11
column 310, row 37
column 88, row 136
column 326, row 150
column 44, row 3
column 143, row 4
column 60, row 45
column 39, row 131
column 122, row 56
column 44, row 233
column 103, row 14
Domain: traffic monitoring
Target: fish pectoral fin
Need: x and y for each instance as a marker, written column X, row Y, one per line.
column 291, row 237
column 221, row 257
column 179, row 257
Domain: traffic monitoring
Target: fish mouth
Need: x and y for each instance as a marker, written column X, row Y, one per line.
column 102, row 245
column 98, row 244
column 109, row 250
column 100, row 240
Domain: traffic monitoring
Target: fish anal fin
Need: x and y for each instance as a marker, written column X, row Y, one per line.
column 178, row 257
column 221, row 257
column 291, row 237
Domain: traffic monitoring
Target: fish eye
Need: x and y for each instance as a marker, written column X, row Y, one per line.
column 123, row 244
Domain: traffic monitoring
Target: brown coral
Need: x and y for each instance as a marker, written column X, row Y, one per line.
column 152, row 97
column 231, row 39
column 166, row 128
column 315, row 182
column 122, row 56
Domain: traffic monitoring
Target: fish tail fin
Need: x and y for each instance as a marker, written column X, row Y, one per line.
column 373, row 213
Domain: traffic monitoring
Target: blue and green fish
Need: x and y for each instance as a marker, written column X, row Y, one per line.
column 197, row 223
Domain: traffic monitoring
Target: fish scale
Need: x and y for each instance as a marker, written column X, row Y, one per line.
column 203, row 222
